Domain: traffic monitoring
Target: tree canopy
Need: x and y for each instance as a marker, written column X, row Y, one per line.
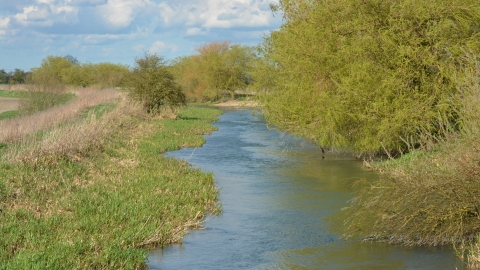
column 367, row 74
column 216, row 68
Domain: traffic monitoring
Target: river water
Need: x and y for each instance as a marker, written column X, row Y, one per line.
column 276, row 193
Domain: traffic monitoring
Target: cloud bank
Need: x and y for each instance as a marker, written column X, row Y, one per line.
column 118, row 30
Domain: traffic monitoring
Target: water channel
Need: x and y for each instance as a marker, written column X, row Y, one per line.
column 276, row 192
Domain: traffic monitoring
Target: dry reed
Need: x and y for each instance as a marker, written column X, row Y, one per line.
column 14, row 87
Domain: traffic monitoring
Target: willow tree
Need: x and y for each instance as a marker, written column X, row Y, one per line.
column 217, row 67
column 367, row 74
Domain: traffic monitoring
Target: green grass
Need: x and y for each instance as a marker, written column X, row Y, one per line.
column 39, row 101
column 103, row 210
column 8, row 114
column 13, row 94
column 98, row 110
column 175, row 133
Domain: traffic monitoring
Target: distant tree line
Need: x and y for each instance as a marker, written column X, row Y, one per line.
column 216, row 69
column 67, row 70
column 13, row 77
column 149, row 82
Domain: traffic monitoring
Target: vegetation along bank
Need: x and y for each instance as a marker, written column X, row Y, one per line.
column 90, row 190
column 398, row 78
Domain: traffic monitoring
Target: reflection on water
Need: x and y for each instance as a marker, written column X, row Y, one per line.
column 276, row 192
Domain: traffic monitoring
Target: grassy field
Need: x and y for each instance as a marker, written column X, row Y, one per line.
column 94, row 192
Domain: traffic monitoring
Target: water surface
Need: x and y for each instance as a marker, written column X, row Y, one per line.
column 276, row 192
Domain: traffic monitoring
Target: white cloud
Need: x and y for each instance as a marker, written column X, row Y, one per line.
column 195, row 32
column 4, row 22
column 121, row 13
column 46, row 15
column 160, row 47
column 139, row 48
column 167, row 13
column 218, row 13
column 45, row 1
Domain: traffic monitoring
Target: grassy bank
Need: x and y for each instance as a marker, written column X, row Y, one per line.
column 94, row 192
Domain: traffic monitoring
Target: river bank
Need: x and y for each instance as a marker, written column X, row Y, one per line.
column 94, row 192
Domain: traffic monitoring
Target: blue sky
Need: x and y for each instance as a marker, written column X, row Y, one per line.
column 117, row 31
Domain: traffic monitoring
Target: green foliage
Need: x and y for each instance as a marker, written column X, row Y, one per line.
column 153, row 85
column 430, row 195
column 3, row 76
column 104, row 75
column 37, row 101
column 18, row 76
column 365, row 74
column 12, row 77
column 59, row 71
column 217, row 68
column 51, row 76
column 8, row 114
column 13, row 94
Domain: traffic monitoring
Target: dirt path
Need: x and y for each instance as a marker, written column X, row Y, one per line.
column 8, row 104
column 238, row 103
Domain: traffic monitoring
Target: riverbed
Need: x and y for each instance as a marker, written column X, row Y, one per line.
column 277, row 195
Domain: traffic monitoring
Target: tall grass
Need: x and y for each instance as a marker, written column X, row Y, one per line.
column 14, row 87
column 94, row 193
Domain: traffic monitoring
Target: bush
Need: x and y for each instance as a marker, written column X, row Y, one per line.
column 46, row 86
column 153, row 85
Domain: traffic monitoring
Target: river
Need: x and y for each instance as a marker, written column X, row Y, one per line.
column 276, row 193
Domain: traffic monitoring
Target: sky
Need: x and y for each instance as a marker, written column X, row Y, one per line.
column 118, row 31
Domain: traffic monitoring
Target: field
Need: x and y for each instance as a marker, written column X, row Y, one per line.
column 8, row 104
